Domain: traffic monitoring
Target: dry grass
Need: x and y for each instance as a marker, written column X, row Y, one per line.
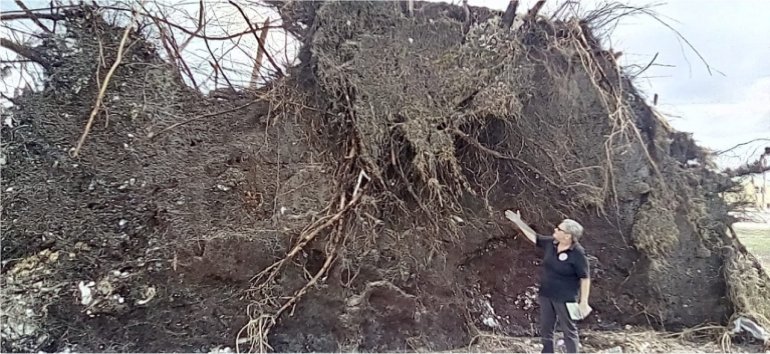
column 756, row 238
column 697, row 340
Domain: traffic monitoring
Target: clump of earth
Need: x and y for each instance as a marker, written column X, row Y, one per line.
column 356, row 204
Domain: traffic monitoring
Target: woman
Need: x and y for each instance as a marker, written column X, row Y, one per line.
column 565, row 279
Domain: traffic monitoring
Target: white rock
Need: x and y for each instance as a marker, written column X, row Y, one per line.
column 490, row 322
column 85, row 293
column 122, row 222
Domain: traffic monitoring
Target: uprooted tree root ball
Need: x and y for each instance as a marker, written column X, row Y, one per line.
column 356, row 203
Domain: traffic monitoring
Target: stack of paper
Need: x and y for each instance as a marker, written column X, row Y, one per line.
column 574, row 311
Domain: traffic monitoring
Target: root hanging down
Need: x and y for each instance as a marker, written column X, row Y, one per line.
column 259, row 326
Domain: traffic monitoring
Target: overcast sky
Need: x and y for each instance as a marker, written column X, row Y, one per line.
column 728, row 106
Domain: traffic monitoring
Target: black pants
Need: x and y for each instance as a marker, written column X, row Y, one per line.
column 550, row 311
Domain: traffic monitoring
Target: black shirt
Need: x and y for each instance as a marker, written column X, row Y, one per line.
column 562, row 271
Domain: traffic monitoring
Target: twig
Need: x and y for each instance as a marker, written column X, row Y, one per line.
column 261, row 45
column 252, row 29
column 646, row 66
column 32, row 16
column 260, row 54
column 152, row 136
column 201, row 24
column 217, row 67
column 102, row 91
column 739, row 145
column 174, row 53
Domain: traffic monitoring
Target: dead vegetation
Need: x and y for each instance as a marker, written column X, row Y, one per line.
column 365, row 186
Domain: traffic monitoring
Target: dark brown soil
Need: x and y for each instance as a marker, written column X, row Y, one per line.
column 173, row 225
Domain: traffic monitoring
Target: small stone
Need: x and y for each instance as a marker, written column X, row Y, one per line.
column 122, row 222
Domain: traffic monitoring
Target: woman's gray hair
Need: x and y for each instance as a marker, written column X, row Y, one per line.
column 573, row 228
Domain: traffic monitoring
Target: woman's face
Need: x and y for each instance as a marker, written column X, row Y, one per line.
column 560, row 235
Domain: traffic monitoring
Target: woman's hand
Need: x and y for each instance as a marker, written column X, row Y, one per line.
column 515, row 217
column 584, row 309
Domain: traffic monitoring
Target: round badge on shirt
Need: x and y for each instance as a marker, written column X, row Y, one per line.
column 563, row 257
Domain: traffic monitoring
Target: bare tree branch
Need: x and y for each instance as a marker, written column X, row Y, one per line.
column 251, row 30
column 26, row 52
column 750, row 168
column 261, row 45
column 201, row 24
column 32, row 16
column 8, row 16
column 739, row 145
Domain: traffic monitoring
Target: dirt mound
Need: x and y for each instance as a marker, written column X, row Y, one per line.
column 355, row 204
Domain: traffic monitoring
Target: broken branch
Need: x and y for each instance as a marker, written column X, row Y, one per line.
column 260, row 54
column 103, row 89
column 510, row 13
